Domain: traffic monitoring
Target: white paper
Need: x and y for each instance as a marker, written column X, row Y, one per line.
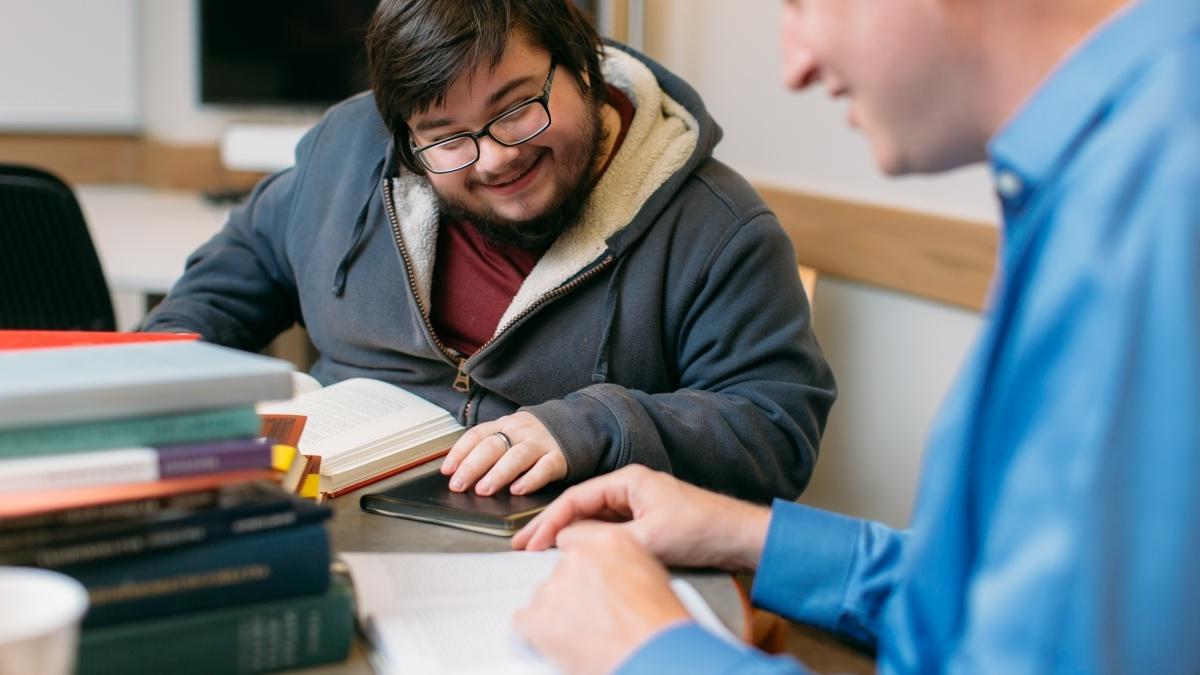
column 452, row 612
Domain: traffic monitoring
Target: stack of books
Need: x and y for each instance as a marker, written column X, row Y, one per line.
column 139, row 470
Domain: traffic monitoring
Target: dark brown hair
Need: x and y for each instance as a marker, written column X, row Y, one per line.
column 416, row 49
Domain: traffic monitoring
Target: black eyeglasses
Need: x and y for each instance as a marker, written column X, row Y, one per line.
column 514, row 126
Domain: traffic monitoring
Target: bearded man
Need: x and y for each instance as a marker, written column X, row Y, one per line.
column 527, row 227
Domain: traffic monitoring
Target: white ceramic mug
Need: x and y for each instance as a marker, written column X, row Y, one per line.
column 40, row 612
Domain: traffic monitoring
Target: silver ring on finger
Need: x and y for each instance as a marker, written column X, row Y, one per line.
column 504, row 437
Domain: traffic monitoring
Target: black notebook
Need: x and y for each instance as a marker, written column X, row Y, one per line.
column 430, row 500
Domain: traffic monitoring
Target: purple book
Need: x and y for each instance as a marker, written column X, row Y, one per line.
column 218, row 456
column 132, row 465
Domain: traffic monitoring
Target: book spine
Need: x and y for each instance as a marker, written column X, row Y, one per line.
column 112, row 512
column 43, row 339
column 53, row 472
column 123, row 380
column 198, row 458
column 163, row 536
column 23, row 504
column 254, row 638
column 205, row 425
column 131, row 465
column 266, row 565
column 248, row 388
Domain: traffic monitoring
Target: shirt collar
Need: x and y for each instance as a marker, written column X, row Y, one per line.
column 1036, row 141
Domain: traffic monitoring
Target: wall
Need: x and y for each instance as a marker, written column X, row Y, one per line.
column 69, row 65
column 894, row 356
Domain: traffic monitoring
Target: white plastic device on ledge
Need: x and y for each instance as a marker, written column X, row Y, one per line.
column 258, row 146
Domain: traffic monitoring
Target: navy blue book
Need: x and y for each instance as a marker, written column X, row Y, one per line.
column 254, row 507
column 263, row 566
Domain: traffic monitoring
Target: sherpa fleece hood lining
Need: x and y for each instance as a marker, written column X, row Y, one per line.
column 661, row 139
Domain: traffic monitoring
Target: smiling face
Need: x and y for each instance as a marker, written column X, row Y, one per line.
column 905, row 68
column 529, row 193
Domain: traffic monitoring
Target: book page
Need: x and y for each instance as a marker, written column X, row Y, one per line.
column 418, row 608
column 303, row 383
column 350, row 414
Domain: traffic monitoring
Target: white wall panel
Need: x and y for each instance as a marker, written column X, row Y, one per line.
column 69, row 65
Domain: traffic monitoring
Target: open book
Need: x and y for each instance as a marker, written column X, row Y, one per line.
column 452, row 612
column 363, row 430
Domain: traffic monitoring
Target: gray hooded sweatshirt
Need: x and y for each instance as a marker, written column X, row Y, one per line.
column 667, row 328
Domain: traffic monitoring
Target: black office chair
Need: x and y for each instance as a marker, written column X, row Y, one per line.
column 50, row 276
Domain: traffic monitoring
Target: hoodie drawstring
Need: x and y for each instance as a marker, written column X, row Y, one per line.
column 356, row 237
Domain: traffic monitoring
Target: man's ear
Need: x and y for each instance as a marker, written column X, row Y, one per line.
column 582, row 82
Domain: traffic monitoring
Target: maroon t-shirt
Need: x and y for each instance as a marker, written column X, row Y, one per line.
column 474, row 280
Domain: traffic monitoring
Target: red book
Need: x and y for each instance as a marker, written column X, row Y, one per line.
column 42, row 339
column 30, row 503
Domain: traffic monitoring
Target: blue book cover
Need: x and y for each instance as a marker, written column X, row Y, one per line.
column 273, row 564
column 79, row 384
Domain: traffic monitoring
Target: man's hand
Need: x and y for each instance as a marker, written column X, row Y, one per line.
column 493, row 454
column 606, row 597
column 680, row 523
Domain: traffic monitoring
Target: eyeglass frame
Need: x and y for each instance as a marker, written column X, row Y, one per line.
column 542, row 99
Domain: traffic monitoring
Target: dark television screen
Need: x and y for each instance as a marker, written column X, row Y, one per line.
column 282, row 52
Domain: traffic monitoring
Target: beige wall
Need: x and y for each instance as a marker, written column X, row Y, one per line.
column 894, row 356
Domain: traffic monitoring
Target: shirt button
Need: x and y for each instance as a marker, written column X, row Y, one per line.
column 1009, row 184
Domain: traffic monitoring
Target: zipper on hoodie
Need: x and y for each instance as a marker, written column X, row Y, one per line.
column 462, row 379
column 451, row 356
column 561, row 290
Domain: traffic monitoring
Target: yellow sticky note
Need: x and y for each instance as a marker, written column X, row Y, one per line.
column 309, row 489
column 282, row 457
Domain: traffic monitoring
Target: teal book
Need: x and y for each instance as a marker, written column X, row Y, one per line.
column 83, row 384
column 187, row 427
column 254, row 638
column 263, row 566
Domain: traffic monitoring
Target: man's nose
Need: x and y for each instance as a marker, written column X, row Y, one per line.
column 800, row 69
column 495, row 158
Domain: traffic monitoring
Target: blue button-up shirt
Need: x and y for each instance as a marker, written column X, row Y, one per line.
column 1057, row 527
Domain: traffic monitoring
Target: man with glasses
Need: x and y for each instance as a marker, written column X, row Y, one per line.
column 528, row 228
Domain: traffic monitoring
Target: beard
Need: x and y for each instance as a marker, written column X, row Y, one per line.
column 573, row 186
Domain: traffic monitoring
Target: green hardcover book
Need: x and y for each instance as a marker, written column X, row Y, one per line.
column 257, row 638
column 190, row 427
